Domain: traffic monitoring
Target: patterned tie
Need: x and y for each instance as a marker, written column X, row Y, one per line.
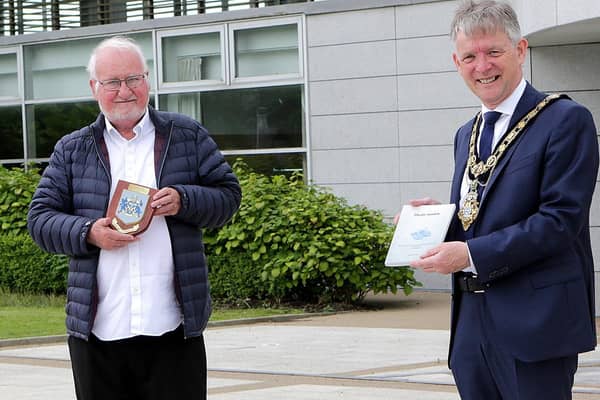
column 487, row 135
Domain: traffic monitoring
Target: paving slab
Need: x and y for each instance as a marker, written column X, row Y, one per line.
column 398, row 352
column 321, row 350
column 30, row 382
column 318, row 392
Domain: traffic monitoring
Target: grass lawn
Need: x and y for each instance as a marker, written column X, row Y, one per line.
column 38, row 315
column 26, row 321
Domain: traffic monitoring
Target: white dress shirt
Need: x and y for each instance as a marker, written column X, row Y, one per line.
column 507, row 108
column 135, row 283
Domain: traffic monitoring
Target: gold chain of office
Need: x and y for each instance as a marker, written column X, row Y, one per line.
column 476, row 169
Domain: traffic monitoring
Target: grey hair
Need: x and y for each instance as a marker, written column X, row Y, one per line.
column 119, row 42
column 486, row 16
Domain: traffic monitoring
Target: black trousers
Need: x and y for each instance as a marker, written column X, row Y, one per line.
column 483, row 371
column 165, row 367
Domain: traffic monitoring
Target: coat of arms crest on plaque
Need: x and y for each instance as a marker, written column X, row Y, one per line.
column 129, row 210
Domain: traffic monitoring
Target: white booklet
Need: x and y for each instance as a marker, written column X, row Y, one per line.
column 419, row 229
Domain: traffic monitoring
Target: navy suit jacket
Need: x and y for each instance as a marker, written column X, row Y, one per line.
column 531, row 242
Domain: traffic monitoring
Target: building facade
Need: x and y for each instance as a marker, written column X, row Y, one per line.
column 360, row 95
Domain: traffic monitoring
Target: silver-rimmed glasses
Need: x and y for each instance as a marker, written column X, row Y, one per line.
column 132, row 82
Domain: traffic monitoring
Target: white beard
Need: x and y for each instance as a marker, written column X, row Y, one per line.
column 117, row 116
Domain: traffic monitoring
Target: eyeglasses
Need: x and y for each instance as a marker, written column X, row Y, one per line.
column 132, row 82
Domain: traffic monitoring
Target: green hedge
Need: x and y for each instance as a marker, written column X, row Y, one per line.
column 16, row 189
column 24, row 267
column 305, row 244
column 289, row 241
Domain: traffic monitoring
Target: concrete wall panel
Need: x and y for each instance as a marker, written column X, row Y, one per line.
column 535, row 15
column 433, row 281
column 597, row 276
column 357, row 60
column 432, row 127
column 354, row 131
column 351, row 27
column 554, row 69
column 355, row 166
column 417, row 190
column 427, row 19
column 595, row 236
column 595, row 209
column 590, row 99
column 353, row 96
column 576, row 10
column 422, row 55
column 389, row 197
column 427, row 91
column 377, row 196
column 426, row 164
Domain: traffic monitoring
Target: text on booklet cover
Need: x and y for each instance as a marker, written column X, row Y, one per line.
column 418, row 230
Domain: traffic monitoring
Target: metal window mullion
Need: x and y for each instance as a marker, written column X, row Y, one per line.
column 148, row 9
column 265, row 151
column 21, row 89
column 303, row 55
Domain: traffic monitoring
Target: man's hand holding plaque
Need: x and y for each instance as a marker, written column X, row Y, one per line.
column 130, row 209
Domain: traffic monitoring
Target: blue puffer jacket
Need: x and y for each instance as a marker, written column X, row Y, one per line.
column 74, row 192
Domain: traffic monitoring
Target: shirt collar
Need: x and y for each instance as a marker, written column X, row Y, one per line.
column 139, row 129
column 508, row 106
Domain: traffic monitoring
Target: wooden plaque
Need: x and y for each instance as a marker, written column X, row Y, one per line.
column 129, row 209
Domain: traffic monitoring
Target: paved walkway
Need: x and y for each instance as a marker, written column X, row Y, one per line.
column 398, row 352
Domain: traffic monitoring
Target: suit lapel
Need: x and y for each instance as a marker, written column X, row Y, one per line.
column 461, row 154
column 528, row 101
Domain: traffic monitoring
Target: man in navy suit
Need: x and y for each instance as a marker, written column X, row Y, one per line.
column 519, row 247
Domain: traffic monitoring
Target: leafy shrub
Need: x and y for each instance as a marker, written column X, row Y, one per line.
column 16, row 189
column 235, row 278
column 24, row 267
column 308, row 245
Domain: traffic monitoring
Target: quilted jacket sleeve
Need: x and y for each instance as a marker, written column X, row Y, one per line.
column 51, row 221
column 217, row 196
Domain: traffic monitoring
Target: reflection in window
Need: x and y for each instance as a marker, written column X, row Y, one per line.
column 8, row 76
column 192, row 57
column 272, row 164
column 47, row 123
column 11, row 133
column 255, row 118
column 58, row 70
column 266, row 51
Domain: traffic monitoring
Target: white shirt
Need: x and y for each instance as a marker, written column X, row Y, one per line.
column 507, row 108
column 136, row 293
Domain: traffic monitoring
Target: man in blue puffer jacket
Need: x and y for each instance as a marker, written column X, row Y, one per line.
column 136, row 304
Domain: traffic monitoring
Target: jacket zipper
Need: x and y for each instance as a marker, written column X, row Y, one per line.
column 164, row 157
column 99, row 154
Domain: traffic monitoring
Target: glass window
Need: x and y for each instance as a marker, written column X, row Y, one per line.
column 272, row 164
column 11, row 133
column 254, row 118
column 46, row 123
column 58, row 70
column 269, row 50
column 194, row 57
column 9, row 87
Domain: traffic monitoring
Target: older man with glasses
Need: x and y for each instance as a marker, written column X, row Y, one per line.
column 137, row 304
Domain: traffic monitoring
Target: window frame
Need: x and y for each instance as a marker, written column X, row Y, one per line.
column 266, row 23
column 173, row 33
column 13, row 100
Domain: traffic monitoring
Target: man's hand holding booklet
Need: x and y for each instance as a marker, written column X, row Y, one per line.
column 418, row 230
